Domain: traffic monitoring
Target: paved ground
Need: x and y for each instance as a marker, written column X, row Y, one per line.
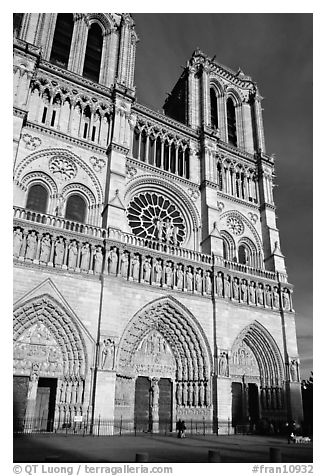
column 163, row 449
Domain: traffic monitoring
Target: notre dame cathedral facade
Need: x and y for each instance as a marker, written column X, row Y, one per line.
column 149, row 283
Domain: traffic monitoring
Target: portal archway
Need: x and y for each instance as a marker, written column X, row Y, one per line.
column 257, row 373
column 164, row 343
column 50, row 364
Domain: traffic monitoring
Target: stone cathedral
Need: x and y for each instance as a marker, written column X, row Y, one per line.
column 149, row 282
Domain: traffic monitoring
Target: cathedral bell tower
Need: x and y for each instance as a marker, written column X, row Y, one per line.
column 235, row 171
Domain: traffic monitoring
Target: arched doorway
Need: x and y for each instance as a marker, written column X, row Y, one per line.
column 50, row 363
column 257, row 373
column 164, row 368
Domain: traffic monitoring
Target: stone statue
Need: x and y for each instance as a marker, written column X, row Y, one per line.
column 202, row 394
column 175, row 232
column 159, row 226
column 235, row 287
column 168, row 274
column 286, row 300
column 189, row 279
column 219, row 285
column 168, row 231
column 158, row 271
column 260, row 295
column 179, row 277
column 195, row 394
column 276, row 298
column 113, row 260
column 72, row 258
column 185, row 393
column 124, row 265
column 179, row 393
column 31, row 245
column 268, row 296
column 244, row 291
column 198, row 281
column 147, row 270
column 293, row 371
column 18, row 240
column 98, row 260
column 208, row 282
column 59, row 251
column 191, row 394
column 85, row 255
column 135, row 268
column 252, row 292
column 45, row 248
column 107, row 354
column 59, row 207
column 156, row 393
column 223, row 365
column 227, row 287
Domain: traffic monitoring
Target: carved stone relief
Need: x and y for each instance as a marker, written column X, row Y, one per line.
column 154, row 356
column 63, row 168
column 38, row 346
column 243, row 361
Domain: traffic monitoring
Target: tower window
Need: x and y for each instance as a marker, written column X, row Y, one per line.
column 62, row 39
column 37, row 198
column 45, row 110
column 135, row 145
column 232, row 128
column 85, row 131
column 243, row 255
column 76, row 208
column 93, row 55
column 18, row 19
column 214, row 117
column 53, row 118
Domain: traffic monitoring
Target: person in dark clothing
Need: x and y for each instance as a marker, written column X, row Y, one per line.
column 183, row 429
column 179, row 428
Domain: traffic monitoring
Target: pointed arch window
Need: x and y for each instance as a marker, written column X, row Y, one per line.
column 62, row 39
column 214, row 116
column 232, row 126
column 37, row 198
column 93, row 54
column 76, row 208
column 17, row 22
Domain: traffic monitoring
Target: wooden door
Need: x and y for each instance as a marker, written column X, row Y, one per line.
column 165, row 405
column 142, row 404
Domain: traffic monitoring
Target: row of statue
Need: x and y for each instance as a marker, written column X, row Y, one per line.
column 155, row 271
column 193, row 394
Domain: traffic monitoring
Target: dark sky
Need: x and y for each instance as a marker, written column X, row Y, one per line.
column 276, row 51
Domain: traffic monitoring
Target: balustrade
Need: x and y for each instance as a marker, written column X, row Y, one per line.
column 147, row 262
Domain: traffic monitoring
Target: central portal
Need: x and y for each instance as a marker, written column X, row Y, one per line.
column 153, row 404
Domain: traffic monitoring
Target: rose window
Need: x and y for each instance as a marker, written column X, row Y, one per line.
column 235, row 225
column 63, row 168
column 155, row 217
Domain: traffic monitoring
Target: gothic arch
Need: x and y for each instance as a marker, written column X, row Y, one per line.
column 235, row 95
column 148, row 183
column 106, row 22
column 81, row 190
column 229, row 243
column 217, row 86
column 182, row 332
column 32, row 178
column 64, row 153
column 48, row 313
column 266, row 352
column 246, row 221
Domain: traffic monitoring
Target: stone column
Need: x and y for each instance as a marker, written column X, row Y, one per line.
column 31, row 400
column 155, row 404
